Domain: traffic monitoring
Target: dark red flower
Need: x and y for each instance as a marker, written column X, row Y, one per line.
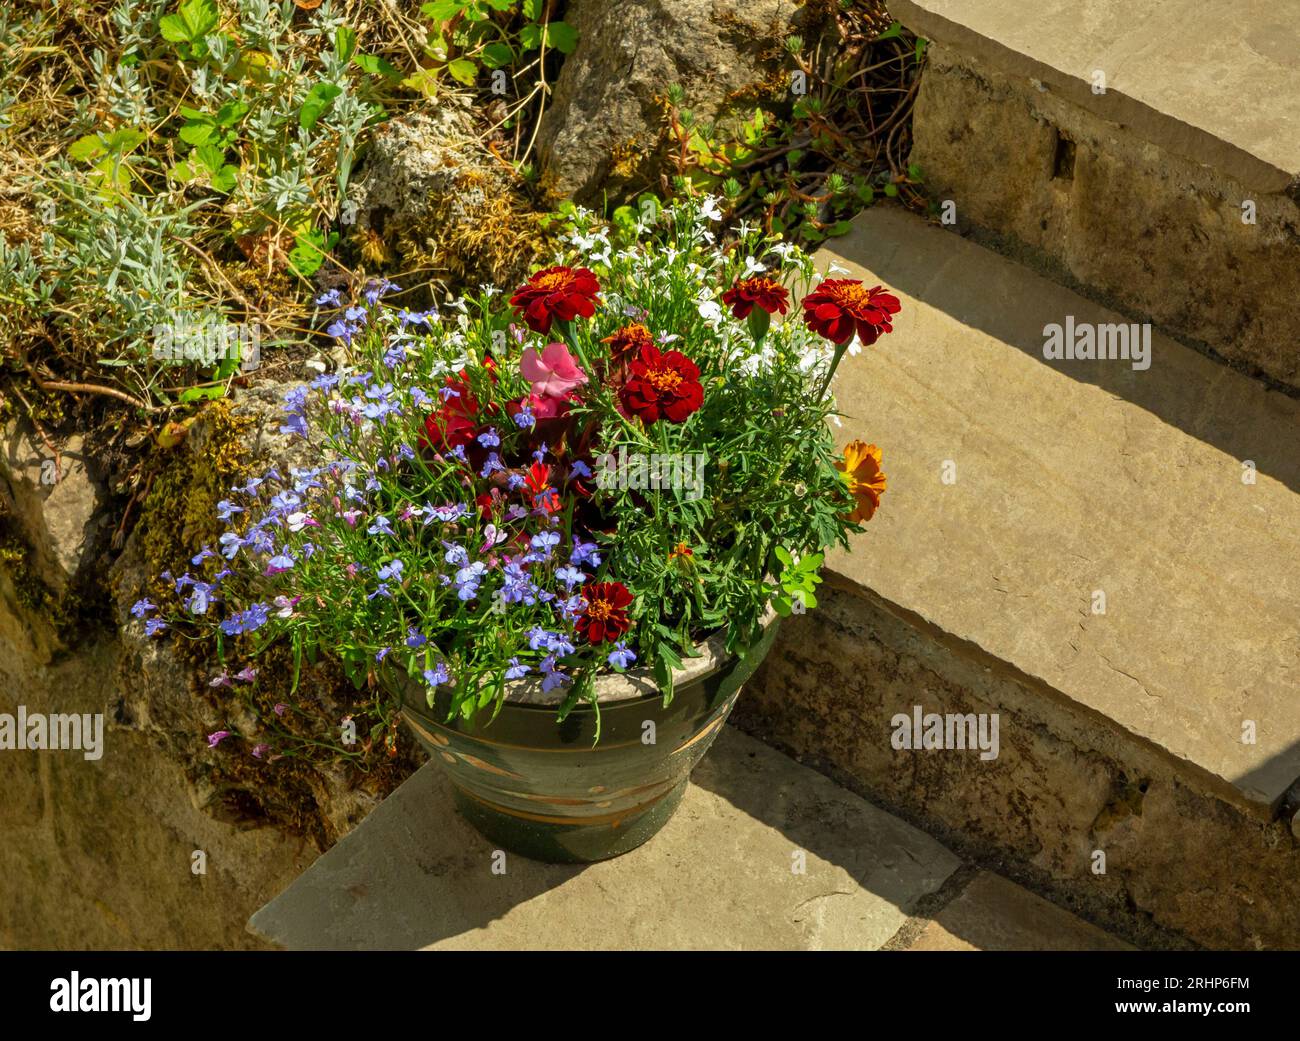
column 764, row 292
column 604, row 619
column 839, row 307
column 489, row 504
column 556, row 292
column 662, row 385
column 456, row 421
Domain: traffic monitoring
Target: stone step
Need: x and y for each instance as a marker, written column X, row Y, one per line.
column 1126, row 150
column 1071, row 546
column 764, row 854
column 994, row 914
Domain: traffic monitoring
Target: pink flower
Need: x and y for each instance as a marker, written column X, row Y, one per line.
column 216, row 737
column 544, row 407
column 260, row 750
column 554, row 373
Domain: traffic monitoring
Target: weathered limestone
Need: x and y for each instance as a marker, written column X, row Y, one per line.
column 1173, row 195
column 601, row 130
column 431, row 194
column 100, row 854
column 52, row 501
column 1020, row 490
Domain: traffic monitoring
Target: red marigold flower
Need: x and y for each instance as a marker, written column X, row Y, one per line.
column 662, row 385
column 839, row 307
column 456, row 422
column 556, row 292
column 604, row 619
column 760, row 290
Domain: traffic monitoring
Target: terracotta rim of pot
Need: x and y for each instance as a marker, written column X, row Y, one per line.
column 638, row 682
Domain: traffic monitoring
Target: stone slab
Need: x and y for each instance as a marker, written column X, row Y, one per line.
column 719, row 876
column 994, row 914
column 1074, row 477
column 1227, row 95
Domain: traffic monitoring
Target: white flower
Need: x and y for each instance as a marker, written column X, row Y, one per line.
column 710, row 311
column 835, row 269
column 757, row 361
column 784, row 250
column 586, row 244
column 752, row 267
column 709, row 208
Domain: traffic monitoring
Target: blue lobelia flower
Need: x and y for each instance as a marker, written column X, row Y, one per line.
column 621, row 656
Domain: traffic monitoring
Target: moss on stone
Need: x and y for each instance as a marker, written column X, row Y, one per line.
column 179, row 515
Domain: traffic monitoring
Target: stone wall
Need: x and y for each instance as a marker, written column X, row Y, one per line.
column 101, row 853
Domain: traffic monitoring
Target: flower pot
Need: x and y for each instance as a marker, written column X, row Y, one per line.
column 545, row 790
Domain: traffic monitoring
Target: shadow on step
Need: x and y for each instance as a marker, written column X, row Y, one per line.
column 413, row 874
column 1203, row 398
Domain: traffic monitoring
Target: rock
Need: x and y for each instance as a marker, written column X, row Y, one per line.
column 53, row 503
column 431, row 192
column 602, row 128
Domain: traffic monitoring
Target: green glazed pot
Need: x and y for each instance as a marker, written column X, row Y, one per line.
column 542, row 789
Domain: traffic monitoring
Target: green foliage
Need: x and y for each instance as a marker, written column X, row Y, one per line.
column 209, row 135
column 470, row 37
column 825, row 139
column 798, row 581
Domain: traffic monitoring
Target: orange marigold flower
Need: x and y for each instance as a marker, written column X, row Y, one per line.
column 766, row 292
column 681, row 550
column 865, row 479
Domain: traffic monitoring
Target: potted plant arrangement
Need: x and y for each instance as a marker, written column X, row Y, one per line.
column 560, row 525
